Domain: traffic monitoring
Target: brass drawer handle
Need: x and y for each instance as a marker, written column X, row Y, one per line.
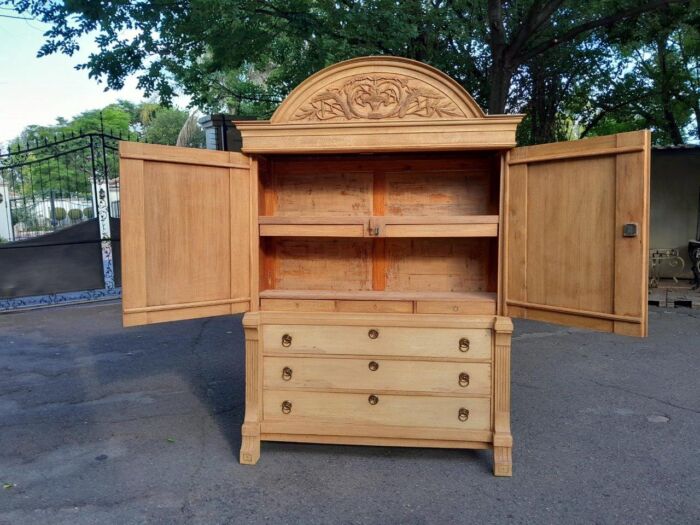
column 463, row 379
column 286, row 373
column 373, row 400
column 463, row 414
column 286, row 340
column 373, row 365
column 373, row 334
column 286, row 407
column 464, row 344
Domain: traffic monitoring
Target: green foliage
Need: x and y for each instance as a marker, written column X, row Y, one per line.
column 89, row 213
column 69, row 174
column 576, row 68
column 59, row 213
column 75, row 214
column 164, row 126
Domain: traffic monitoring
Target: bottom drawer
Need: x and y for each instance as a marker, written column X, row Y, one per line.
column 362, row 409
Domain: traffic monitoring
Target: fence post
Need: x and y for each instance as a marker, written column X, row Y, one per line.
column 102, row 199
column 54, row 222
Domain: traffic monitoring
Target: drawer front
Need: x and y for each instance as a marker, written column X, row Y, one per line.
column 297, row 305
column 377, row 374
column 393, row 410
column 444, row 343
column 456, row 307
column 396, row 307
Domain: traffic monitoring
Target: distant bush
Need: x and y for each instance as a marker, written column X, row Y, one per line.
column 60, row 214
column 75, row 214
column 88, row 213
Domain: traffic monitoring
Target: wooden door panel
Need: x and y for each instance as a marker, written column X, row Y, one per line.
column 567, row 260
column 186, row 230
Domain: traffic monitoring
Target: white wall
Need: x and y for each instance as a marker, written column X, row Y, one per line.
column 675, row 190
column 5, row 220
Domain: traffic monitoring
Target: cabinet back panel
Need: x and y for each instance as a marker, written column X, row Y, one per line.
column 320, row 263
column 329, row 194
column 426, row 185
column 440, row 265
column 427, row 193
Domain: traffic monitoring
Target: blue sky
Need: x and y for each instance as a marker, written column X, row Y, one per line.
column 38, row 90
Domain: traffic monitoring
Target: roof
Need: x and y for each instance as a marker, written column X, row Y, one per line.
column 677, row 147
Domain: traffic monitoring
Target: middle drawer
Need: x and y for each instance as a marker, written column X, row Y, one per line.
column 377, row 375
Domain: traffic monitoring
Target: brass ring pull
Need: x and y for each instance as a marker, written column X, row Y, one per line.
column 463, row 379
column 373, row 334
column 286, row 407
column 463, row 414
column 286, row 340
column 373, row 400
column 286, row 373
column 464, row 344
column 373, row 365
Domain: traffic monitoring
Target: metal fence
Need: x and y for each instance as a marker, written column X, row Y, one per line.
column 60, row 194
column 46, row 185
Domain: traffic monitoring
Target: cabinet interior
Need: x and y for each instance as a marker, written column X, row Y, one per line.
column 380, row 227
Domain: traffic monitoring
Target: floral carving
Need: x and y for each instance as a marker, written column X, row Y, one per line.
column 378, row 97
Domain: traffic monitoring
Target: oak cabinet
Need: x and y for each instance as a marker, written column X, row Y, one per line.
column 380, row 231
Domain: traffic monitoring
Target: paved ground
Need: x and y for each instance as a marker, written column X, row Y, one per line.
column 105, row 425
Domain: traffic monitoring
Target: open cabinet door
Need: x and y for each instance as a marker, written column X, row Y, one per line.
column 576, row 233
column 185, row 232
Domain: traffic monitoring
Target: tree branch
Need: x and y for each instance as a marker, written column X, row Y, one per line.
column 537, row 15
column 495, row 20
column 605, row 21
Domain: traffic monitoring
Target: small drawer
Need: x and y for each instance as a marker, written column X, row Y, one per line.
column 377, row 374
column 395, row 307
column 456, row 307
column 297, row 305
column 377, row 409
column 445, row 343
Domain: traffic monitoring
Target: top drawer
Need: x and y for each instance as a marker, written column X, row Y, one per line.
column 444, row 343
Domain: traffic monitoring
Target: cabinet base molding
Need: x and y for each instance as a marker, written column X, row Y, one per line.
column 374, row 441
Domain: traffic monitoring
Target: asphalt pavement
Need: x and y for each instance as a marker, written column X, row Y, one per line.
column 101, row 424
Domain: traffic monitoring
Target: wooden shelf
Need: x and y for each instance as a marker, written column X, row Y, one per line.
column 371, row 295
column 386, row 226
column 314, row 226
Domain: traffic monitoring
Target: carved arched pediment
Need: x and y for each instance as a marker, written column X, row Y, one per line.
column 378, row 104
column 377, row 89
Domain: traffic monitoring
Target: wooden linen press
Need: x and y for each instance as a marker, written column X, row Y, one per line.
column 379, row 231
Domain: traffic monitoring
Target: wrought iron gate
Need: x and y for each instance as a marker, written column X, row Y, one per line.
column 59, row 206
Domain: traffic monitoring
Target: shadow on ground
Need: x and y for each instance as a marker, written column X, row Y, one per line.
column 101, row 424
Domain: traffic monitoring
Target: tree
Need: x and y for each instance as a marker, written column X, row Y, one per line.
column 165, row 126
column 247, row 55
column 659, row 87
column 67, row 170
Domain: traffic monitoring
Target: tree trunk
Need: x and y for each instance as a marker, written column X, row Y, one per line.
column 671, row 126
column 500, row 77
column 543, row 104
column 500, row 71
